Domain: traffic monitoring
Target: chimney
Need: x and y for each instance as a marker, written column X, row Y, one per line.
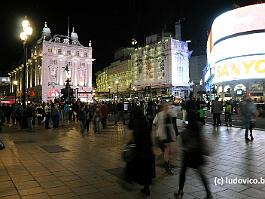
column 178, row 30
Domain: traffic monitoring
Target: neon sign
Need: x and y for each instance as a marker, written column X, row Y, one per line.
column 240, row 68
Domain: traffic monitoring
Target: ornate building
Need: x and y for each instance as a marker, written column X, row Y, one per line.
column 162, row 66
column 52, row 61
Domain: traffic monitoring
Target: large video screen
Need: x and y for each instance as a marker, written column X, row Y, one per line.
column 235, row 47
column 240, row 20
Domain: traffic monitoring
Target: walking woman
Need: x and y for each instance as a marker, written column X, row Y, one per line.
column 142, row 168
column 165, row 134
column 193, row 148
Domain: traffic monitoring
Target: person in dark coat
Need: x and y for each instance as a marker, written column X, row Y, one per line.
column 194, row 148
column 142, row 168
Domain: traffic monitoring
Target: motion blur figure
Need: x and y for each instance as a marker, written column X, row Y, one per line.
column 248, row 111
column 142, row 168
column 228, row 113
column 165, row 134
column 193, row 150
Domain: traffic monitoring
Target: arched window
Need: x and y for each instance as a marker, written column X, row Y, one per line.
column 240, row 87
column 227, row 89
column 256, row 87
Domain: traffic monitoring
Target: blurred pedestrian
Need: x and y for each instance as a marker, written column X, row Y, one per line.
column 248, row 111
column 82, row 117
column 88, row 117
column 193, row 150
column 165, row 134
column 142, row 167
column 216, row 111
column 201, row 114
column 104, row 114
column 97, row 121
column 228, row 113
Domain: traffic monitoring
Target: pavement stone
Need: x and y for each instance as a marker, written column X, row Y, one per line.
column 27, row 171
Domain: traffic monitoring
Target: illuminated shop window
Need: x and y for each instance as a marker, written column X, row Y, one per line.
column 220, row 89
column 227, row 89
column 240, row 87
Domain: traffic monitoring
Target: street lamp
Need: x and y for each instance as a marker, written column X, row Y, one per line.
column 117, row 84
column 15, row 90
column 109, row 87
column 27, row 32
column 76, row 92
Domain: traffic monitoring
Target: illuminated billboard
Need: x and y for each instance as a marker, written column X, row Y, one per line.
column 252, row 67
column 235, row 47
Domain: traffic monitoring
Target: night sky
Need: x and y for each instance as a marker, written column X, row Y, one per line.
column 108, row 24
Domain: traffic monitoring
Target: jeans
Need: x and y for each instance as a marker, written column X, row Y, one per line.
column 82, row 126
column 29, row 122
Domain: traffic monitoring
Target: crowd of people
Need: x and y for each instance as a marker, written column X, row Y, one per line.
column 153, row 124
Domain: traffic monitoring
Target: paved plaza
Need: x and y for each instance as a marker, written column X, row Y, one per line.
column 64, row 164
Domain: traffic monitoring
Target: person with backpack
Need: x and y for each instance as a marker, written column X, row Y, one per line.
column 228, row 113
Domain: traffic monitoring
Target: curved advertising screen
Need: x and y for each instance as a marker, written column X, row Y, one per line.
column 235, row 47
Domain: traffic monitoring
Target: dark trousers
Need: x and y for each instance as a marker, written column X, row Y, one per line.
column 216, row 118
column 228, row 118
column 8, row 119
column 182, row 178
column 202, row 120
column 47, row 120
column 251, row 125
column 104, row 122
column 87, row 125
column 174, row 122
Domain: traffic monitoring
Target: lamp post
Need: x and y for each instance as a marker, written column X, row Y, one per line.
column 117, row 84
column 109, row 87
column 27, row 32
column 76, row 92
column 15, row 90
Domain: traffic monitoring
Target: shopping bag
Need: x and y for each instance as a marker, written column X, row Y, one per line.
column 128, row 153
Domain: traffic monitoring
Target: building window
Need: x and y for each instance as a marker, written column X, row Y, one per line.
column 55, row 62
column 85, row 54
column 77, row 53
column 59, row 51
column 68, row 63
column 68, row 52
column 49, row 50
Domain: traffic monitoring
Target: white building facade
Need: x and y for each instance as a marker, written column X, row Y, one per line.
column 162, row 64
column 54, row 60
